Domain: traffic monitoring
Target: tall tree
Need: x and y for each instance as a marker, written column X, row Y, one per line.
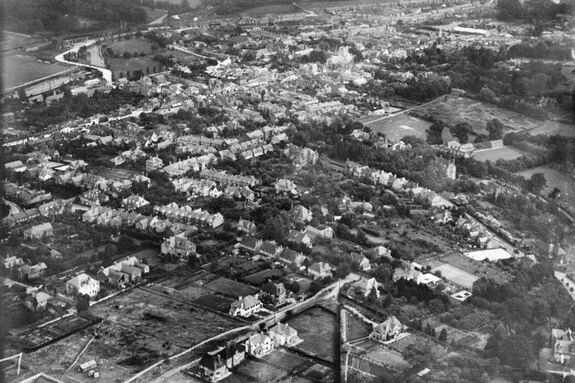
column 495, row 129
column 434, row 133
column 462, row 131
column 537, row 183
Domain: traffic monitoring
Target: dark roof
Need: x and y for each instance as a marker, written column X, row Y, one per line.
column 273, row 288
column 268, row 248
column 249, row 243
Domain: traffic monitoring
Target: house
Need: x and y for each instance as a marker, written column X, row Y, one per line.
column 319, row 233
column 388, row 330
column 285, row 186
column 563, row 345
column 320, row 270
column 246, row 226
column 382, row 251
column 37, row 302
column 284, row 335
column 246, row 306
column 216, row 364
column 276, row 291
column 270, row 249
column 12, row 261
column 299, row 237
column 114, row 277
column 361, row 260
column 259, row 345
column 39, row 231
column 82, row 284
column 179, row 245
column 292, row 258
column 364, row 286
column 28, row 272
column 301, row 214
column 134, row 202
column 250, row 244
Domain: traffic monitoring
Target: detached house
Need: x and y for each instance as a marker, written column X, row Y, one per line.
column 292, row 258
column 388, row 330
column 246, row 306
column 270, row 250
column 250, row 244
column 361, row 260
column 320, row 270
column 28, row 272
column 179, row 245
column 259, row 345
column 301, row 214
column 299, row 237
column 276, row 291
column 284, row 335
column 82, row 284
column 246, row 226
column 216, row 364
column 38, row 231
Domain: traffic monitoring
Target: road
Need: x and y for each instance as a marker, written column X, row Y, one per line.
column 106, row 73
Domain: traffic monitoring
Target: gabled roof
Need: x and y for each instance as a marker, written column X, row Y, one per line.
column 273, row 288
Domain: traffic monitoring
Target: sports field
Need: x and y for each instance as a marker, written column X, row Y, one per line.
column 19, row 69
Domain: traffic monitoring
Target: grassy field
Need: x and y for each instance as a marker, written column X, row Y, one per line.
column 355, row 328
column 272, row 10
column 478, row 269
column 397, row 127
column 261, row 277
column 19, row 69
column 134, row 45
column 231, row 288
column 505, row 153
column 564, row 182
column 318, row 330
column 553, row 127
column 453, row 110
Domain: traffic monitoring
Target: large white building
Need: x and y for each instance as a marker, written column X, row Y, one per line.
column 82, row 284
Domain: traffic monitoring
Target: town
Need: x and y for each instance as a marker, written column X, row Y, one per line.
column 245, row 191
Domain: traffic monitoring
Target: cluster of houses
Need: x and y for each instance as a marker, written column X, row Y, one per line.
column 123, row 272
column 219, row 363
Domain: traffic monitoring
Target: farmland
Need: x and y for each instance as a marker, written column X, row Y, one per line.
column 505, row 153
column 230, row 288
column 317, row 328
column 398, row 126
column 554, row 178
column 453, row 110
column 554, row 127
column 18, row 69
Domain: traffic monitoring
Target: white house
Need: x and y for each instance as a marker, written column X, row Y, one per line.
column 82, row 284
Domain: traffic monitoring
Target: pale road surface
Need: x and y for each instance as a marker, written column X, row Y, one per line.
column 106, row 73
column 328, row 292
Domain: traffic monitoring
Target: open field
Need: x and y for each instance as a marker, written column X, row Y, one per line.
column 134, row 45
column 397, row 127
column 453, row 110
column 505, row 153
column 564, row 182
column 272, row 10
column 553, row 127
column 284, row 360
column 261, row 277
column 117, row 174
column 318, row 330
column 215, row 302
column 258, row 371
column 159, row 316
column 231, row 288
column 19, row 69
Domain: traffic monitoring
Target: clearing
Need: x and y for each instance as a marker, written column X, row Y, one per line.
column 398, row 126
column 165, row 319
column 455, row 275
column 554, row 127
